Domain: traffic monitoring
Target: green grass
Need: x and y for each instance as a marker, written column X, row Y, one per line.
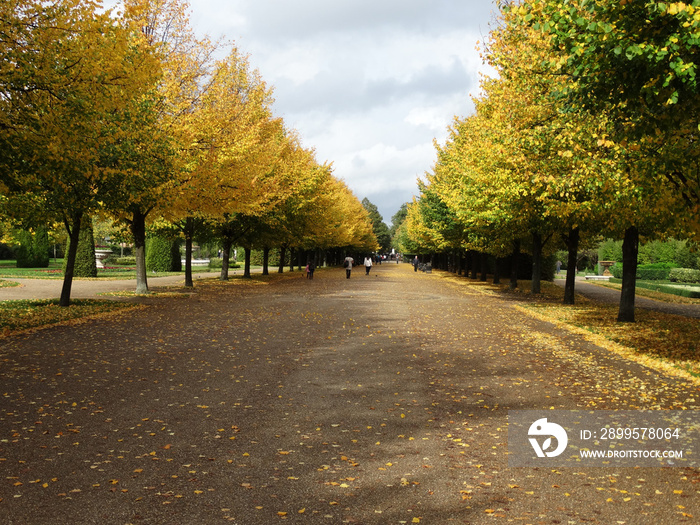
column 9, row 270
column 688, row 290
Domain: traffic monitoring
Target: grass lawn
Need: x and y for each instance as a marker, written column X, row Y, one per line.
column 646, row 289
column 9, row 270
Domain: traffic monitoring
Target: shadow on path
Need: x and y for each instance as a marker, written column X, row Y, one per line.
column 379, row 399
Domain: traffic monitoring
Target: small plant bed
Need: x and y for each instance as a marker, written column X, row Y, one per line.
column 8, row 284
column 17, row 316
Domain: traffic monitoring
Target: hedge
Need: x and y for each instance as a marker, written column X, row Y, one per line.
column 670, row 289
column 85, row 264
column 125, row 261
column 684, row 275
column 33, row 249
column 691, row 292
column 646, row 272
column 162, row 255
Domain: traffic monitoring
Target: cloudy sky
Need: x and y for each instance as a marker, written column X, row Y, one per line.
column 368, row 83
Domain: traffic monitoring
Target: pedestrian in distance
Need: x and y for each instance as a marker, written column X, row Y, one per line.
column 347, row 264
column 310, row 270
column 368, row 265
column 415, row 263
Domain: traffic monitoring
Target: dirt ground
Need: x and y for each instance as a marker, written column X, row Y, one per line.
column 376, row 400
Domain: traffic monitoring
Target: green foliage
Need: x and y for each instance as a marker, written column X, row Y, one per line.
column 646, row 272
column 679, row 253
column 610, row 250
column 33, row 249
column 670, row 289
column 658, row 251
column 398, row 219
column 6, row 252
column 256, row 257
column 85, row 264
column 381, row 230
column 684, row 275
column 125, row 261
column 162, row 255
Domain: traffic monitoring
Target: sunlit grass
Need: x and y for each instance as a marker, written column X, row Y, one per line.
column 655, row 339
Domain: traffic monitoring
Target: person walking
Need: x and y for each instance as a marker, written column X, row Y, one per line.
column 310, row 270
column 368, row 265
column 347, row 264
column 415, row 263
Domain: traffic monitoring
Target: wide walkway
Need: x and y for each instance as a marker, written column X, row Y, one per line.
column 380, row 399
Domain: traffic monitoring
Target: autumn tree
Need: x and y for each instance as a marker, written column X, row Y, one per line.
column 635, row 62
column 74, row 72
column 152, row 158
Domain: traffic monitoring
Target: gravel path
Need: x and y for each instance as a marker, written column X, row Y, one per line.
column 375, row 400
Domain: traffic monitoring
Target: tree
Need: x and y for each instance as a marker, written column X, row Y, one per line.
column 159, row 120
column 381, row 230
column 73, row 72
column 644, row 79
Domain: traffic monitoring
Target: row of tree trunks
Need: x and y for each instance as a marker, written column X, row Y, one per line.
column 630, row 252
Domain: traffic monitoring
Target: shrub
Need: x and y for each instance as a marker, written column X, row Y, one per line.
column 610, row 250
column 646, row 272
column 654, row 272
column 162, row 255
column 124, row 261
column 33, row 250
column 616, row 270
column 684, row 275
column 85, row 264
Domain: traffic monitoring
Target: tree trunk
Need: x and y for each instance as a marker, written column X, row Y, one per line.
column 266, row 260
column 138, row 231
column 515, row 265
column 291, row 259
column 74, row 234
column 226, row 242
column 630, row 247
column 497, row 271
column 283, row 253
column 484, row 266
column 572, row 240
column 475, row 265
column 189, row 233
column 535, row 285
column 246, row 270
